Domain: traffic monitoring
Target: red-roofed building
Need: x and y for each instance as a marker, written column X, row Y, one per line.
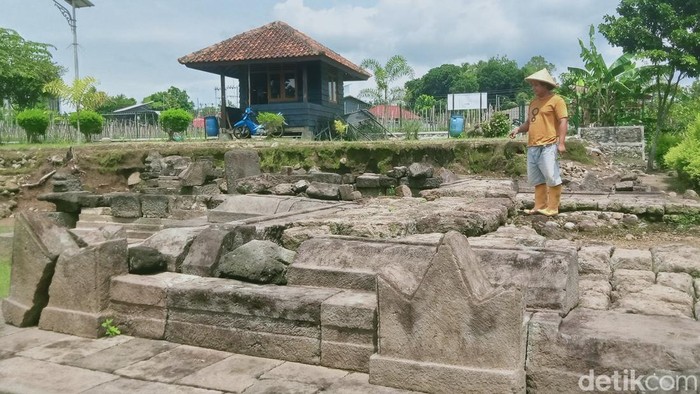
column 392, row 112
column 281, row 69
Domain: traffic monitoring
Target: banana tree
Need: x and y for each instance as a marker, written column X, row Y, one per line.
column 603, row 91
column 81, row 94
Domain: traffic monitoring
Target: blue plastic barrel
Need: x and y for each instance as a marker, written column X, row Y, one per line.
column 456, row 125
column 211, row 126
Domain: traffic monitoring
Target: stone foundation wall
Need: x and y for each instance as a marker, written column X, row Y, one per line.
column 625, row 142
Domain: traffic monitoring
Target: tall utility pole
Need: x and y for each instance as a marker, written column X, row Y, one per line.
column 70, row 17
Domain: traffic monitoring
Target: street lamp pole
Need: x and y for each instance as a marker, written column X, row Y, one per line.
column 72, row 22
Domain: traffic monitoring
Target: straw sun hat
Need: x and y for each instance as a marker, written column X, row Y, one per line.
column 543, row 76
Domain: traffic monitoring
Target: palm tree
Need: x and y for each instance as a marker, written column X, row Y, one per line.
column 395, row 68
column 82, row 94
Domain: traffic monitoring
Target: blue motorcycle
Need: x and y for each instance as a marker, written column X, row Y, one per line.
column 246, row 127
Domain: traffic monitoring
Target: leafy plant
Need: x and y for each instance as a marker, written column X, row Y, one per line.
column 497, row 126
column 665, row 33
column 395, row 68
column 411, row 129
column 110, row 329
column 271, row 121
column 685, row 157
column 175, row 121
column 34, row 122
column 341, row 128
column 87, row 123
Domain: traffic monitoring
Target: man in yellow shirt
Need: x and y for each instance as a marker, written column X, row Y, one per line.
column 546, row 125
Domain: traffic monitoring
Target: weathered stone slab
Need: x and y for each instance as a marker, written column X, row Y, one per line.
column 172, row 365
column 125, row 205
column 264, row 321
column 374, row 181
column 352, row 263
column 233, row 374
column 595, row 260
column 154, row 206
column 679, row 281
column 99, row 235
column 656, row 300
column 320, row 377
column 594, row 292
column 548, row 276
column 125, row 385
column 348, row 330
column 676, row 258
column 258, row 261
column 243, row 207
column 196, row 173
column 123, row 354
column 79, row 292
column 19, row 375
column 173, row 244
column 425, row 340
column 358, row 383
column 631, row 281
column 240, row 163
column 210, row 244
column 324, row 191
column 71, row 349
column 37, row 244
column 560, row 352
column 633, row 259
column 139, row 302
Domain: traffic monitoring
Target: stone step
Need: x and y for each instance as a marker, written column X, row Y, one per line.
column 563, row 352
column 353, row 263
column 87, row 217
column 127, row 226
column 131, row 236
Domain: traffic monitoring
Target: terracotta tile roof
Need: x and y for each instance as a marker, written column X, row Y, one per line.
column 393, row 112
column 276, row 40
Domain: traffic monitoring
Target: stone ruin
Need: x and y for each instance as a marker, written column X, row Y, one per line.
column 432, row 293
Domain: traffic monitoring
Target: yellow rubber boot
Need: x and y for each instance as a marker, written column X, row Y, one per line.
column 553, row 198
column 540, row 199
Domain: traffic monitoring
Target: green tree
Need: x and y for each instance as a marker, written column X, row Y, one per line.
column 173, row 98
column 34, row 122
column 175, row 120
column 396, row 67
column 87, row 122
column 686, row 108
column 25, row 67
column 499, row 74
column 602, row 92
column 665, row 32
column 537, row 63
column 113, row 103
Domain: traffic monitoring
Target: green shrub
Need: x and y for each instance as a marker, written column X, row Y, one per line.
column 498, row 126
column 271, row 121
column 175, row 121
column 34, row 122
column 90, row 123
column 666, row 142
column 685, row 157
column 411, row 129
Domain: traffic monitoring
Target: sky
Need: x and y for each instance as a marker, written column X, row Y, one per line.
column 131, row 46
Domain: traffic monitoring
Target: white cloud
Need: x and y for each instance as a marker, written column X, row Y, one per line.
column 132, row 47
